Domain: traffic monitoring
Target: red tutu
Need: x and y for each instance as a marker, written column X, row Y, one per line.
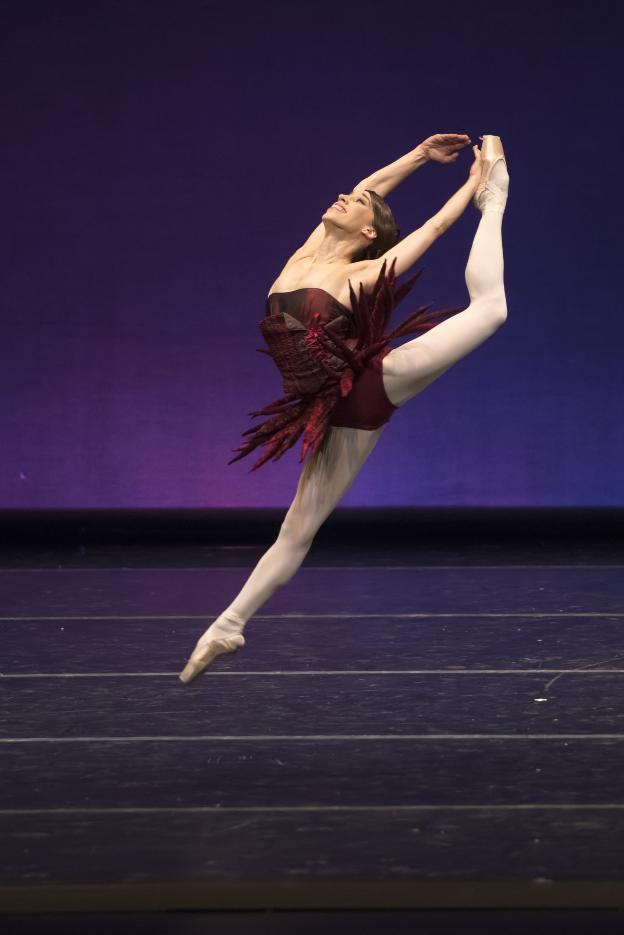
column 320, row 359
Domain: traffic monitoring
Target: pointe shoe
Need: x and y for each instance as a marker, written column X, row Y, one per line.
column 203, row 654
column 489, row 193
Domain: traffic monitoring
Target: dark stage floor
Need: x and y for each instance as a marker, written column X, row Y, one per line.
column 426, row 724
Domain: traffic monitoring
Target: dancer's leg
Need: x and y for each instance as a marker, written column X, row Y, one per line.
column 412, row 366
column 323, row 481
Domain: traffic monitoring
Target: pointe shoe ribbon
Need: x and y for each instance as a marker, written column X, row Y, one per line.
column 204, row 653
column 492, row 152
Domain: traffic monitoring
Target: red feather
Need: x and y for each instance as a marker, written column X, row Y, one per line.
column 319, row 365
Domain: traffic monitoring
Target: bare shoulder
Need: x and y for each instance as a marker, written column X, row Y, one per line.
column 299, row 272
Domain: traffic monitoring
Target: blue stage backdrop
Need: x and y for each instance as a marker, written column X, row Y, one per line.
column 161, row 161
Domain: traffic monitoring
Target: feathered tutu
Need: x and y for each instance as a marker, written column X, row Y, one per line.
column 320, row 362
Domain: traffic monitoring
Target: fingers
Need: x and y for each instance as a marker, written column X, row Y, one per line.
column 462, row 138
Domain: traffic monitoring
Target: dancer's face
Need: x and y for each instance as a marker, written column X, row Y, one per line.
column 354, row 213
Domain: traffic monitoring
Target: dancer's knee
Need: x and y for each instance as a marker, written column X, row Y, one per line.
column 292, row 550
column 492, row 306
column 297, row 534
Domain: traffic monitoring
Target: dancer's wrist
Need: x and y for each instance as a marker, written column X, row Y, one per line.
column 386, row 179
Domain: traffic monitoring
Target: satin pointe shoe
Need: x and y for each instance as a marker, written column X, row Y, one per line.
column 490, row 192
column 203, row 654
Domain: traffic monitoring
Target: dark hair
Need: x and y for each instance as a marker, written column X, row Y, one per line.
column 388, row 234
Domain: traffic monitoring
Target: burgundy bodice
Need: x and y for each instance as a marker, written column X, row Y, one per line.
column 320, row 346
column 293, row 327
column 304, row 303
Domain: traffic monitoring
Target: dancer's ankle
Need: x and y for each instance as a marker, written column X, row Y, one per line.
column 492, row 199
column 228, row 623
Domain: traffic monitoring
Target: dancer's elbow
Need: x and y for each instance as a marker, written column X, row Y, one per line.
column 499, row 311
column 495, row 308
column 440, row 225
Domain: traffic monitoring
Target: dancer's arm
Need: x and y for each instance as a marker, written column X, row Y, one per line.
column 384, row 180
column 411, row 248
column 456, row 205
column 441, row 147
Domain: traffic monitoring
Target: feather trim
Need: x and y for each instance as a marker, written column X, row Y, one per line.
column 326, row 364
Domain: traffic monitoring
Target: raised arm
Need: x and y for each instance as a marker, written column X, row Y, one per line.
column 442, row 147
column 384, row 180
column 412, row 247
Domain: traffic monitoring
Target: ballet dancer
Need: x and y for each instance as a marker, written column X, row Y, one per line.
column 342, row 389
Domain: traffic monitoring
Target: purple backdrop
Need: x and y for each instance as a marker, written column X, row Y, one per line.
column 160, row 162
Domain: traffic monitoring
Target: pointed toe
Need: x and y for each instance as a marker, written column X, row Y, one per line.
column 491, row 193
column 203, row 655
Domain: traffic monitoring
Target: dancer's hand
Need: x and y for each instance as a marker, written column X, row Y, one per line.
column 475, row 169
column 444, row 147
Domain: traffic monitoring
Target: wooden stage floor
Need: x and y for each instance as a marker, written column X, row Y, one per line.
column 428, row 720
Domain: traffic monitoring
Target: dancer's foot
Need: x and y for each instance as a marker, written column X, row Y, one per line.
column 491, row 192
column 225, row 635
column 207, row 650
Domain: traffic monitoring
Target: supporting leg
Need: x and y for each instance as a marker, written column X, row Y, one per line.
column 412, row 366
column 323, row 481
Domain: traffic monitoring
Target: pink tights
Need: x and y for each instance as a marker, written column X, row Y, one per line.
column 407, row 370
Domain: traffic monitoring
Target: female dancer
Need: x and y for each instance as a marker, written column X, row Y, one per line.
column 353, row 242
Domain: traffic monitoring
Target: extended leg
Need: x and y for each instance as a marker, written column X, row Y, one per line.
column 322, row 483
column 412, row 366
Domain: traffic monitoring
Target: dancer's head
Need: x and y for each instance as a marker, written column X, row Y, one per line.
column 367, row 221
